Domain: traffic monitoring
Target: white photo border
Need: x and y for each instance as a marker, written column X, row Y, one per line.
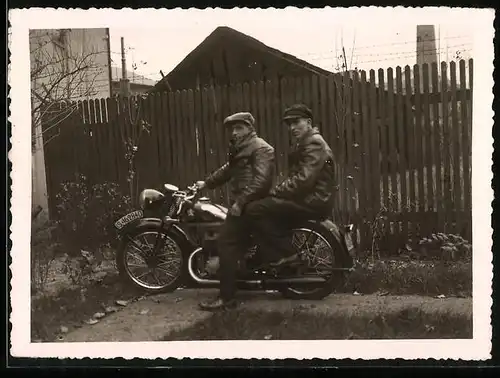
column 477, row 348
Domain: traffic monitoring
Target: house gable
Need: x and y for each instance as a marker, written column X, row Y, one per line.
column 227, row 56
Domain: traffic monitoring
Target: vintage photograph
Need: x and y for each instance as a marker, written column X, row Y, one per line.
column 229, row 175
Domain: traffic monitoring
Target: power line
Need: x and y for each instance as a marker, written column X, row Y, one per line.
column 329, row 55
column 389, row 44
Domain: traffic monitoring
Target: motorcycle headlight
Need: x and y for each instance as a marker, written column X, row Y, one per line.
column 148, row 197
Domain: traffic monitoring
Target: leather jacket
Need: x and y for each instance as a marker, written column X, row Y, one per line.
column 250, row 170
column 311, row 179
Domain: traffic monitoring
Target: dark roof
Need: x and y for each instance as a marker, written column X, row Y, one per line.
column 224, row 32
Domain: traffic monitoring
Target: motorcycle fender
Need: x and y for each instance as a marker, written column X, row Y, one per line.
column 333, row 228
column 338, row 234
column 154, row 222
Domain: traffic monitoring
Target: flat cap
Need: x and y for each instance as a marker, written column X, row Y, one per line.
column 244, row 117
column 297, row 111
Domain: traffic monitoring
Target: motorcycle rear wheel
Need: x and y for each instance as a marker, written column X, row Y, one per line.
column 337, row 255
column 171, row 247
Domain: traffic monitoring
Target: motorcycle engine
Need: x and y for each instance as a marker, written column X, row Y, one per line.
column 209, row 244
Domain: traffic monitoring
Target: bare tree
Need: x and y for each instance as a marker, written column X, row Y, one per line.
column 60, row 74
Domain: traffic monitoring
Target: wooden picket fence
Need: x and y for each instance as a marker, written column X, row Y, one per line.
column 402, row 140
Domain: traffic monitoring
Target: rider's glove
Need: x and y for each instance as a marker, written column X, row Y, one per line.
column 235, row 210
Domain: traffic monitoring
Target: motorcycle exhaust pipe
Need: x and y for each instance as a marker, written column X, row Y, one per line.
column 192, row 273
column 295, row 280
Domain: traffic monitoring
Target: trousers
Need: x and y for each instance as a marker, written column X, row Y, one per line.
column 272, row 220
column 232, row 241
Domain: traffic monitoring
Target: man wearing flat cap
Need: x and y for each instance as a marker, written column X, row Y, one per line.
column 250, row 172
column 307, row 192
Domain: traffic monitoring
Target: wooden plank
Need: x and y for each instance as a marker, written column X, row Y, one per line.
column 277, row 124
column 437, row 130
column 271, row 125
column 209, row 151
column 400, row 131
column 209, row 133
column 421, row 198
column 155, row 109
column 247, row 104
column 410, row 139
column 316, row 103
column 112, row 151
column 366, row 191
column 328, row 130
column 84, row 138
column 105, row 150
column 239, row 98
column 391, row 140
column 446, row 145
column 339, row 132
column 455, row 147
column 374, row 145
column 122, row 140
column 466, row 148
column 282, row 142
column 259, row 94
column 100, row 144
column 357, row 143
column 165, row 142
column 221, row 146
column 199, row 129
column 253, row 106
column 348, row 142
column 429, row 138
column 173, row 130
column 306, row 91
column 219, row 97
column 323, row 106
column 142, row 163
column 93, row 171
column 181, row 138
column 386, row 199
column 193, row 155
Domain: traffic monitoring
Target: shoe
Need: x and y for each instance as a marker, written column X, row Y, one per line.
column 218, row 304
column 285, row 261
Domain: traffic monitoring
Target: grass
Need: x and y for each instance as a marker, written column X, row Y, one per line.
column 411, row 323
column 71, row 306
column 399, row 277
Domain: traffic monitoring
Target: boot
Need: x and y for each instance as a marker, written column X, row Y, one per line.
column 218, row 304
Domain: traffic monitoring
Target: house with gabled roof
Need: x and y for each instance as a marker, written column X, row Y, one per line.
column 228, row 56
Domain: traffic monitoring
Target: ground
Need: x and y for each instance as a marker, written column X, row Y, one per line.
column 417, row 300
column 167, row 316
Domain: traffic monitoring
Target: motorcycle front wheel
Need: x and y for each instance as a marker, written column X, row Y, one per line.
column 151, row 272
column 320, row 253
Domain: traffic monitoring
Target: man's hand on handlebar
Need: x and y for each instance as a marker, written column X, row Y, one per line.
column 200, row 185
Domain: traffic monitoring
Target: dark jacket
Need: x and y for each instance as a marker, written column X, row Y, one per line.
column 250, row 171
column 311, row 179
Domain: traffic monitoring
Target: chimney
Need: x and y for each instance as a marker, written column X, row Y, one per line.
column 426, row 45
column 426, row 48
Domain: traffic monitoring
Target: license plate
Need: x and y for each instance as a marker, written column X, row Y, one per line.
column 130, row 217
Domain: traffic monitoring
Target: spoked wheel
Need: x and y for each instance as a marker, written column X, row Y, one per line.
column 151, row 260
column 319, row 254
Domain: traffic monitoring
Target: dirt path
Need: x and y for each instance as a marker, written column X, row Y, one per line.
column 154, row 317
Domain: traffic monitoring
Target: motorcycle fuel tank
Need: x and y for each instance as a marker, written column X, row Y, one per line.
column 210, row 210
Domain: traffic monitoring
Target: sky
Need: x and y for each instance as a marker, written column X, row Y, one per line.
column 316, row 37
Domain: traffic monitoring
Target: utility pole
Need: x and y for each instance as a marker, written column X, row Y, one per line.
column 124, row 82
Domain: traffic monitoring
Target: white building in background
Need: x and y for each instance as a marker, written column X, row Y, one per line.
column 65, row 64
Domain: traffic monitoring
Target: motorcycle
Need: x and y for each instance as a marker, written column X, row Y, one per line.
column 170, row 241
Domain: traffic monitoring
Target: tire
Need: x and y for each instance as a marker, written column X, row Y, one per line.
column 129, row 278
column 340, row 260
